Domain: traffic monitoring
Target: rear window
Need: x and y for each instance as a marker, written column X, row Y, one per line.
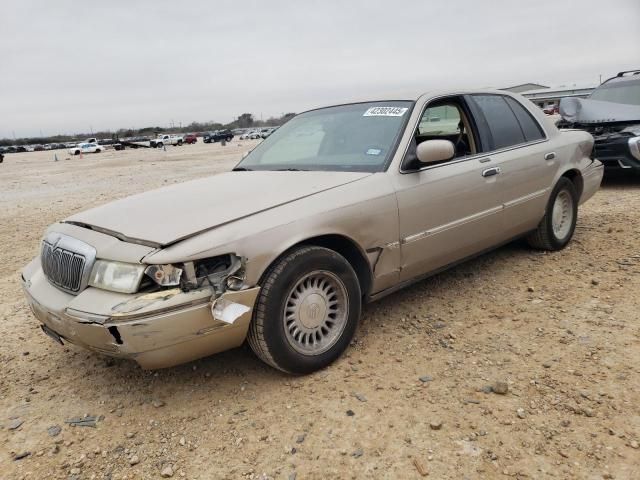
column 503, row 124
column 530, row 127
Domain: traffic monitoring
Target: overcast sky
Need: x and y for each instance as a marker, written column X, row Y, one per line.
column 68, row 66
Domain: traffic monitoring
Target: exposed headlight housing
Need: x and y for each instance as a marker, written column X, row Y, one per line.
column 116, row 276
column 164, row 275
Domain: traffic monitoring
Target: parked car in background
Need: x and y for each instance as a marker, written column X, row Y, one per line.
column 190, row 138
column 612, row 115
column 166, row 139
column 340, row 206
column 252, row 135
column 218, row 135
column 265, row 132
column 86, row 148
column 550, row 109
column 246, row 135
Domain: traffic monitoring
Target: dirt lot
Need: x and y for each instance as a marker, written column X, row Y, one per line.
column 561, row 330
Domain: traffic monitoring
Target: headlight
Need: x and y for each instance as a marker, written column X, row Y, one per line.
column 634, row 129
column 116, row 276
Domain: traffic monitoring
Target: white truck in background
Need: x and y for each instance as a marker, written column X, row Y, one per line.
column 166, row 139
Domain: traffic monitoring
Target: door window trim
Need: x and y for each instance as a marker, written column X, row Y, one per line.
column 474, row 123
column 476, row 110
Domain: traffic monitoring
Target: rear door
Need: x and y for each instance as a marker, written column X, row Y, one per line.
column 519, row 144
column 451, row 210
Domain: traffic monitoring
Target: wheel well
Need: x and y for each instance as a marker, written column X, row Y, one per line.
column 351, row 252
column 576, row 178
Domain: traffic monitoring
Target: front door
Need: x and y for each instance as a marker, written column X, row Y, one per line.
column 451, row 210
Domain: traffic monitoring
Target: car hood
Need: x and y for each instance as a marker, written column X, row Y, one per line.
column 167, row 215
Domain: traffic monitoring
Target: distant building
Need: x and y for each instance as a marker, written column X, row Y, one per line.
column 524, row 87
column 544, row 96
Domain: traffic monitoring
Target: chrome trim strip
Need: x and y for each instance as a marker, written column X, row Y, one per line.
column 447, row 226
column 622, row 165
column 526, row 198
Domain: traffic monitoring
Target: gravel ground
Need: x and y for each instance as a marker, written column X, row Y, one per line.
column 517, row 364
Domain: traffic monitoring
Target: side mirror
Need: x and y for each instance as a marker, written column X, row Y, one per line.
column 432, row 151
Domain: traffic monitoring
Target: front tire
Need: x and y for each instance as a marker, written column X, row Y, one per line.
column 307, row 311
column 559, row 222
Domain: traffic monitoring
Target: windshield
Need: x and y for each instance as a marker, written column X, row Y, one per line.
column 354, row 138
column 627, row 92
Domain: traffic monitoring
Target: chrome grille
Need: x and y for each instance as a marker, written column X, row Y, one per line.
column 66, row 262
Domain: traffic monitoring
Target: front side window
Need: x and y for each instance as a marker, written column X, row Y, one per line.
column 502, row 122
column 441, row 120
column 358, row 138
column 627, row 92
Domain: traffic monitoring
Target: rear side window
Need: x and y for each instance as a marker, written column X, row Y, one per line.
column 503, row 124
column 530, row 127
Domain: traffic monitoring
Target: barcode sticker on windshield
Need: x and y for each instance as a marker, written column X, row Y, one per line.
column 385, row 112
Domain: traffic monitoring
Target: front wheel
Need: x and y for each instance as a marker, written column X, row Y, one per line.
column 559, row 222
column 307, row 311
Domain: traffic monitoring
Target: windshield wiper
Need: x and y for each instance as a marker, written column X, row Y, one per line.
column 242, row 169
column 291, row 170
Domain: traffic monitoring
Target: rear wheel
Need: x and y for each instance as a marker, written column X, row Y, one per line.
column 77, row 152
column 559, row 222
column 307, row 310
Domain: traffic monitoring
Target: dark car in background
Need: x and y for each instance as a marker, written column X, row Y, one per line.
column 612, row 115
column 190, row 138
column 218, row 135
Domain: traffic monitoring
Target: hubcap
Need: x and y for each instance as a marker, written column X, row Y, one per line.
column 315, row 312
column 562, row 215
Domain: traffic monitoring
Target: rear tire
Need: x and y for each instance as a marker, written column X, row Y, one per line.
column 307, row 311
column 559, row 222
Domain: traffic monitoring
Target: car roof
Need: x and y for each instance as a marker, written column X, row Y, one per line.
column 429, row 94
column 622, row 79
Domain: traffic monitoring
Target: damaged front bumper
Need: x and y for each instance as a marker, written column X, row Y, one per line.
column 157, row 330
column 618, row 151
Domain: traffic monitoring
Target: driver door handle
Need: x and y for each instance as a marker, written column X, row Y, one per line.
column 490, row 172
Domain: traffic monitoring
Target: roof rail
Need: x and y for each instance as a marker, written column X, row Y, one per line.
column 633, row 72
